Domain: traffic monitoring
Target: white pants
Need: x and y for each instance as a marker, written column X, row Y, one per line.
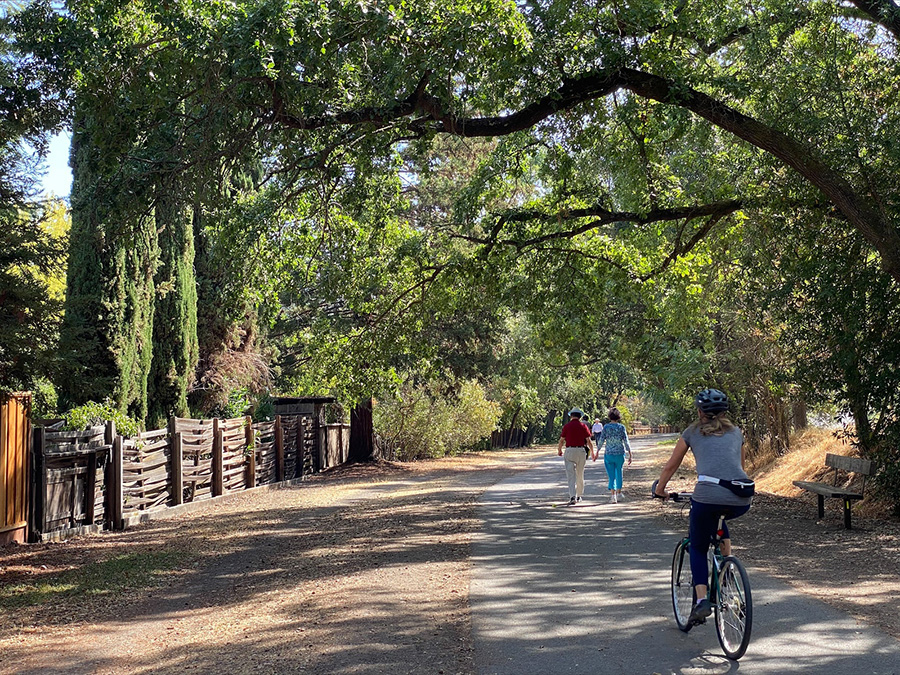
column 574, row 459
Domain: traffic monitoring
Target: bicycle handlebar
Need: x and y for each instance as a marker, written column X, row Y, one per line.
column 674, row 496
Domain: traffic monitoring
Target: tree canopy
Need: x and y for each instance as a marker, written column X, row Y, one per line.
column 672, row 192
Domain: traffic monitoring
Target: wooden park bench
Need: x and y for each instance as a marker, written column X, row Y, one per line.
column 861, row 467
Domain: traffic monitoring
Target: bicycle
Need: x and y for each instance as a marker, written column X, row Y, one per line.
column 728, row 591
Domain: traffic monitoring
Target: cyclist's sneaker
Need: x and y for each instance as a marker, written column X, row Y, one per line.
column 701, row 610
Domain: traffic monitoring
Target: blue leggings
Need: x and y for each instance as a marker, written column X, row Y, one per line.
column 704, row 519
column 614, row 464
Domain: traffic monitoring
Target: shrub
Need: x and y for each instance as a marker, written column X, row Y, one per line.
column 421, row 423
column 44, row 399
column 93, row 414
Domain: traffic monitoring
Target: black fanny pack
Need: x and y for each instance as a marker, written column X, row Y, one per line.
column 740, row 487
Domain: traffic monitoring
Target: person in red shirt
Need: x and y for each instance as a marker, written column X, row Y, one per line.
column 573, row 437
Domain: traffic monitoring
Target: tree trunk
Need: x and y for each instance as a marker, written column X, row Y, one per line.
column 798, row 415
column 362, row 434
column 512, row 426
column 549, row 422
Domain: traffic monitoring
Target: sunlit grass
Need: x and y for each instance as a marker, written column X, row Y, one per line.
column 109, row 577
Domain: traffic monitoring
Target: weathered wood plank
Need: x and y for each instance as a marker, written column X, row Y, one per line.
column 92, row 433
column 146, row 465
column 160, row 473
column 827, row 490
column 851, row 464
column 146, row 448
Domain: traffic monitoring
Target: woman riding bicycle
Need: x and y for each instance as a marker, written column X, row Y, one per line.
column 718, row 447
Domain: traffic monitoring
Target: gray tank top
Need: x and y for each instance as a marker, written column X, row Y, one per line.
column 720, row 457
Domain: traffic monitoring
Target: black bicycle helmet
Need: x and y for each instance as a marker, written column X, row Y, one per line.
column 712, row 401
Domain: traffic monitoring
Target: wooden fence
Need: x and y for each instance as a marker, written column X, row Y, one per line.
column 69, row 479
column 87, row 480
column 14, row 450
column 338, row 443
column 639, row 429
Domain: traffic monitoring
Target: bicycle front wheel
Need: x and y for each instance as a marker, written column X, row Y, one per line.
column 682, row 588
column 734, row 609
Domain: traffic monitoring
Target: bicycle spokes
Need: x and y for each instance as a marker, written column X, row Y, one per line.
column 733, row 609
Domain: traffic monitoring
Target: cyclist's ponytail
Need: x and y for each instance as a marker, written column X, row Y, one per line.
column 715, row 425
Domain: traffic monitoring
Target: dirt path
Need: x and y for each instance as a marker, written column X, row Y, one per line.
column 361, row 570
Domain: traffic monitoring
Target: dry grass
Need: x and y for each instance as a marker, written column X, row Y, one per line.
column 805, row 461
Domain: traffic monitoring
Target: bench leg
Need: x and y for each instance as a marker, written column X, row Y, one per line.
column 847, row 504
column 821, row 506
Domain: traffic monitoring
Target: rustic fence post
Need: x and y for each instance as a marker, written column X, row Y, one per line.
column 176, row 489
column 250, row 472
column 321, row 454
column 112, row 476
column 111, row 491
column 115, row 488
column 38, row 484
column 90, row 488
column 218, row 466
column 279, row 449
column 300, row 431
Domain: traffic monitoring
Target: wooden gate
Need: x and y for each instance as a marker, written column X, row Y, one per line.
column 15, row 435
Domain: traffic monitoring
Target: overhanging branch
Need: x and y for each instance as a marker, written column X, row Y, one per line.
column 859, row 210
column 883, row 12
column 600, row 217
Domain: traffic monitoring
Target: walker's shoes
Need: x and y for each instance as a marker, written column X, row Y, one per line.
column 612, row 498
column 620, row 497
column 701, row 610
column 571, row 500
column 577, row 499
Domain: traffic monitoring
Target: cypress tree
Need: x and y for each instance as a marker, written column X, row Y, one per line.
column 106, row 336
column 175, row 345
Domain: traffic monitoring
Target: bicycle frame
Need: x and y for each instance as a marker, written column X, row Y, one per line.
column 727, row 589
column 716, row 560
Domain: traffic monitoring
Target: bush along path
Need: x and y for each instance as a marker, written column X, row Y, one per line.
column 585, row 589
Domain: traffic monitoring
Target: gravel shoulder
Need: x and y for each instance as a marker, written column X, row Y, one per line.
column 360, row 570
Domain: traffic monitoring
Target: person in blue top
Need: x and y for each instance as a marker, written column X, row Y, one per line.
column 615, row 436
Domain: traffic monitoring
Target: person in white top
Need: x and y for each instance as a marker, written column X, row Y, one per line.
column 596, row 430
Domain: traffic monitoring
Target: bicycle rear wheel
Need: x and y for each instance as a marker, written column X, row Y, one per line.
column 682, row 588
column 734, row 609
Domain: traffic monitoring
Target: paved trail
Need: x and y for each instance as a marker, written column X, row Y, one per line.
column 570, row 590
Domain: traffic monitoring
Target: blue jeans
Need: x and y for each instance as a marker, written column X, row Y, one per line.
column 614, row 464
column 704, row 519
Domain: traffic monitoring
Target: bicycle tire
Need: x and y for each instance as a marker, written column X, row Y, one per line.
column 682, row 588
column 734, row 608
